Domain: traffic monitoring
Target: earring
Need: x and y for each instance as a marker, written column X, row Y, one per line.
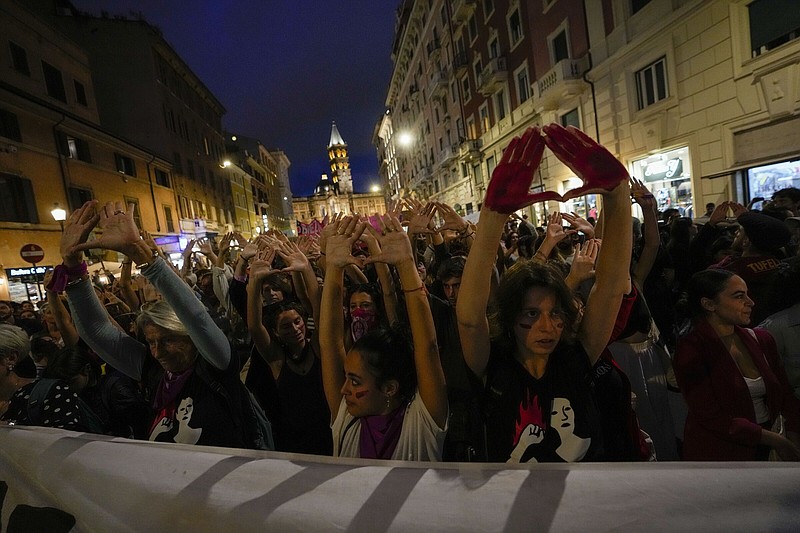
column 388, row 399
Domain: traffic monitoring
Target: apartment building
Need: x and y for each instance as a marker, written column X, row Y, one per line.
column 54, row 154
column 697, row 98
column 145, row 92
column 267, row 172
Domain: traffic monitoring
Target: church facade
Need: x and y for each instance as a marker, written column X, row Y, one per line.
column 334, row 192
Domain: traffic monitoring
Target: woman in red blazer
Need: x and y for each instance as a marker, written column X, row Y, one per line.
column 731, row 378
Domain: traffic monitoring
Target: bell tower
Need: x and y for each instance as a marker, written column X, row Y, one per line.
column 341, row 178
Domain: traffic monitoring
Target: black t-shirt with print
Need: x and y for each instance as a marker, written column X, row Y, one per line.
column 201, row 415
column 59, row 410
column 551, row 419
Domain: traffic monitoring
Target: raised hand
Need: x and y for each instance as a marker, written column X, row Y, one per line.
column 422, row 217
column 583, row 263
column 509, row 188
column 344, row 233
column 205, row 247
column 737, row 208
column 719, row 214
column 119, row 230
column 328, row 230
column 293, row 256
column 598, row 169
column 148, row 240
column 77, row 228
column 395, row 247
column 452, row 220
column 642, row 195
column 261, row 266
column 579, row 224
column 555, row 229
column 249, row 251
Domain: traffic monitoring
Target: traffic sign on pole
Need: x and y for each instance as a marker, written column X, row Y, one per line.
column 32, row 253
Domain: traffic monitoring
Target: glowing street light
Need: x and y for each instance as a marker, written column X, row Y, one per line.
column 405, row 139
column 375, row 188
column 226, row 163
column 59, row 215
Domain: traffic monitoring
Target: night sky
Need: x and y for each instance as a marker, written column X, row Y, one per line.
column 284, row 69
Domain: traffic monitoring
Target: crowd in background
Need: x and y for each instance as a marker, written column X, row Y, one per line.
column 418, row 335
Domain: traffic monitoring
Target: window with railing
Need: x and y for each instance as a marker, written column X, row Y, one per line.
column 773, row 23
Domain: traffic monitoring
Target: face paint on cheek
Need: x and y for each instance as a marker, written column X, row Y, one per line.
column 525, row 326
column 360, row 394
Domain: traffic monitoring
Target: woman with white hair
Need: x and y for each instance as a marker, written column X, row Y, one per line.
column 58, row 407
column 198, row 398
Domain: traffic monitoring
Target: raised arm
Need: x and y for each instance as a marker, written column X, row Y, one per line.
column 396, row 250
column 600, row 171
column 260, row 269
column 123, row 352
column 384, row 277
column 63, row 320
column 342, row 234
column 652, row 240
column 508, row 192
column 121, row 234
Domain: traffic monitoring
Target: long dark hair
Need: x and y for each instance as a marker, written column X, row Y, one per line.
column 510, row 299
column 389, row 354
column 705, row 284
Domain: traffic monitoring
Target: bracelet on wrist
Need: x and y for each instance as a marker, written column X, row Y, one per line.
column 63, row 274
column 421, row 287
column 144, row 266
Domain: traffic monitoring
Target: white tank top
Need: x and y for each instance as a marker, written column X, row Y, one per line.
column 758, row 393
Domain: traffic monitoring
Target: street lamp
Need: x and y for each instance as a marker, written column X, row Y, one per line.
column 375, row 188
column 59, row 215
column 405, row 139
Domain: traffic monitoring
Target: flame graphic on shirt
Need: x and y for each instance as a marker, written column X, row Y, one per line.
column 530, row 413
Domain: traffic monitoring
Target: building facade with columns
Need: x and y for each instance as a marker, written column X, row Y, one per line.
column 335, row 194
column 697, row 98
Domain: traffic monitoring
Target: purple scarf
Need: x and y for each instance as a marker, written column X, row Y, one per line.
column 170, row 386
column 380, row 434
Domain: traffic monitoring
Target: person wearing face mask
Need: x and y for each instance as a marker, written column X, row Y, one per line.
column 365, row 310
column 387, row 394
column 290, row 387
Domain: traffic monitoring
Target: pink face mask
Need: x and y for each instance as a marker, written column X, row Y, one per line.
column 362, row 322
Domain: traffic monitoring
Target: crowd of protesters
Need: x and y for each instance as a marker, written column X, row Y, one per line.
column 417, row 335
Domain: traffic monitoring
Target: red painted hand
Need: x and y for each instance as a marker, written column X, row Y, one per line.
column 599, row 170
column 509, row 188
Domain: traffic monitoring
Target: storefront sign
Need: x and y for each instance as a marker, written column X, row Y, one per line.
column 671, row 169
column 27, row 271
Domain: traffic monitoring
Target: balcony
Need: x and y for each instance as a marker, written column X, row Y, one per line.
column 448, row 154
column 420, row 178
column 561, row 82
column 461, row 62
column 462, row 10
column 493, row 77
column 439, row 84
column 470, row 150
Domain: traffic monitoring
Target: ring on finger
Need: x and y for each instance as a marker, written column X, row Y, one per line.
column 118, row 212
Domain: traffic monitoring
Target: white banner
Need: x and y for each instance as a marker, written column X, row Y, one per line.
column 55, row 480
